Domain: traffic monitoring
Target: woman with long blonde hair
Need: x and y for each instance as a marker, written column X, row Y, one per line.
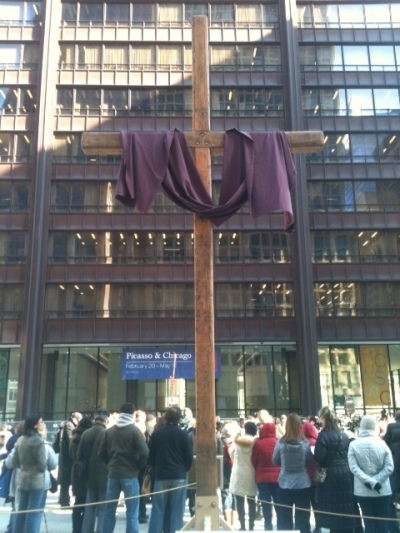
column 293, row 454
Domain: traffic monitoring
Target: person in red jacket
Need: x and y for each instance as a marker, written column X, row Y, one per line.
column 266, row 473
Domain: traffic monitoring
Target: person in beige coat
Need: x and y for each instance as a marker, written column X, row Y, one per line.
column 242, row 483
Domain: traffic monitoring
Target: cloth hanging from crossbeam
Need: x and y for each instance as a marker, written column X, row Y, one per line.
column 257, row 167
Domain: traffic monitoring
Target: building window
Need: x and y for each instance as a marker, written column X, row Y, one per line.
column 169, row 14
column 350, row 16
column 14, row 196
column 246, row 102
column 12, row 247
column 67, row 149
column 89, row 56
column 90, row 14
column 11, row 301
column 143, row 57
column 359, row 148
column 349, row 58
column 116, row 57
column 143, row 14
column 20, row 13
column 351, row 102
column 15, row 147
column 69, row 13
column 194, row 10
column 19, row 56
column 371, row 195
column 248, row 15
column 270, row 15
column 222, row 15
column 115, row 102
column 117, row 14
column 254, row 300
column 343, row 299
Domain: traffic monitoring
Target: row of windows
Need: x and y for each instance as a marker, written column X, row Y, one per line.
column 164, row 247
column 349, row 57
column 312, row 57
column 350, row 15
column 86, row 248
column 228, row 101
column 354, row 196
column 336, row 101
column 176, row 300
column 20, row 13
column 357, row 299
column 150, row 300
column 167, row 57
column 98, row 197
column 333, row 101
column 359, row 148
column 337, row 148
column 367, row 246
column 137, row 14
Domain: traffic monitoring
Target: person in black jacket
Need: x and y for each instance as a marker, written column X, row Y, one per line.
column 335, row 494
column 88, row 454
column 392, row 439
column 78, row 484
column 170, row 456
column 65, row 460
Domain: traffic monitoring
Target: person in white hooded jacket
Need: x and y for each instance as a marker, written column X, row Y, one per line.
column 370, row 461
column 243, row 476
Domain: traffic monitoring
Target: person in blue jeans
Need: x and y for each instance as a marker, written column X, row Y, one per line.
column 124, row 451
column 170, row 457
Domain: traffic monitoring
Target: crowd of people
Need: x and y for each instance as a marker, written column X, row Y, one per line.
column 290, row 467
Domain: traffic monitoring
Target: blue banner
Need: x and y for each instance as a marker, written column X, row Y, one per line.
column 145, row 363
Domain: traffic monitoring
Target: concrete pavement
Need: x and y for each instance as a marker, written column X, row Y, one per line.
column 58, row 520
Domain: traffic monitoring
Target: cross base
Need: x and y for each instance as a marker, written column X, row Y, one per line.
column 207, row 517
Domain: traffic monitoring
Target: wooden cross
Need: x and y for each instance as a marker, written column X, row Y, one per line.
column 202, row 141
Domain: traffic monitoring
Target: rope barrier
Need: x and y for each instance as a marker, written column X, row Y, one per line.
column 316, row 511
column 275, row 504
column 91, row 504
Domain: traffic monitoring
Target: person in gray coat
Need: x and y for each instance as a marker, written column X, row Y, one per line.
column 292, row 453
column 371, row 463
column 35, row 459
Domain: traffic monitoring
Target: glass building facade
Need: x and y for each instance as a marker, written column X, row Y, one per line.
column 301, row 319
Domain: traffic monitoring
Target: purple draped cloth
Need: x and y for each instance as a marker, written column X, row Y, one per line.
column 257, row 167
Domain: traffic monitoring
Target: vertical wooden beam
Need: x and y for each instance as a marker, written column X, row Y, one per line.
column 206, row 464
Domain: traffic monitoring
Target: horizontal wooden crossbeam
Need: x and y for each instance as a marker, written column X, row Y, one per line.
column 109, row 143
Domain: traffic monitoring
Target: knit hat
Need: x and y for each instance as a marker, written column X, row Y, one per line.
column 368, row 422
